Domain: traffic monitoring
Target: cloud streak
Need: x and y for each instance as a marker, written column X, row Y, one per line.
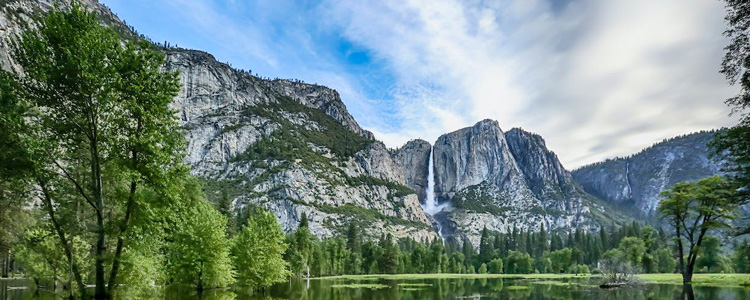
column 596, row 79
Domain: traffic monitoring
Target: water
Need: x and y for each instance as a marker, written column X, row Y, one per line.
column 418, row 289
column 431, row 206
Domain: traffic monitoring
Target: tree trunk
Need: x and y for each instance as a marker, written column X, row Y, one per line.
column 6, row 264
column 100, row 292
column 130, row 207
column 687, row 292
column 63, row 240
column 687, row 276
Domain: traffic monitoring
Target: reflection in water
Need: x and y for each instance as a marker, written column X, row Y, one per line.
column 418, row 289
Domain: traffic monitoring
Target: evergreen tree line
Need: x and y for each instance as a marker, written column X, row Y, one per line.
column 516, row 252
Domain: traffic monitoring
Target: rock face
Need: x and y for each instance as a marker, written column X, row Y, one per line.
column 285, row 145
column 292, row 148
column 414, row 156
column 637, row 180
column 505, row 180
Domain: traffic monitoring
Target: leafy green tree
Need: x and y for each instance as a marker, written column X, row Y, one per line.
column 482, row 269
column 300, row 248
column 44, row 260
column 496, row 266
column 742, row 257
column 518, row 263
column 734, row 143
column 257, row 251
column 560, row 260
column 664, row 261
column 199, row 251
column 100, row 123
column 692, row 209
column 543, row 264
column 582, row 269
column 632, row 248
column 710, row 255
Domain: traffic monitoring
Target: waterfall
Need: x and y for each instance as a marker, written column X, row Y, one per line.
column 431, row 206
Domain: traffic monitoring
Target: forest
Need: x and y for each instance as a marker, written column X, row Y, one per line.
column 93, row 191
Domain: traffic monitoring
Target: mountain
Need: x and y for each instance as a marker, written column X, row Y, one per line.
column 285, row 145
column 293, row 148
column 505, row 180
column 636, row 180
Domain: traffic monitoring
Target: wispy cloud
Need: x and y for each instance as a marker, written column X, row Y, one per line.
column 595, row 78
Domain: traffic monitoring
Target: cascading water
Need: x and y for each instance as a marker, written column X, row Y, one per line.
column 431, row 206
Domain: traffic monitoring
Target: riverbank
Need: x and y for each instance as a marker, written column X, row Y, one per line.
column 727, row 280
column 448, row 276
column 724, row 280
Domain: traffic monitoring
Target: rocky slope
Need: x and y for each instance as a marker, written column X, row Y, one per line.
column 505, row 180
column 293, row 148
column 288, row 146
column 637, row 180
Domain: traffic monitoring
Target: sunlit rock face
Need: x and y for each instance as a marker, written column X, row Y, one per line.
column 637, row 180
column 226, row 113
column 285, row 145
column 505, row 180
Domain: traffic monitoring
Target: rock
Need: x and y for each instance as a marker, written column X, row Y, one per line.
column 637, row 180
column 506, row 180
column 414, row 156
column 297, row 127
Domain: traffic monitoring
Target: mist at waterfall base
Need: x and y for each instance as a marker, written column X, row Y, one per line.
column 431, row 206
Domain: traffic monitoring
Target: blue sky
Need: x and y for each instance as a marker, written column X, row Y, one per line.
column 595, row 78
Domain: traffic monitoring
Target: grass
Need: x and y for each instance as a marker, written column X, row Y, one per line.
column 700, row 279
column 414, row 284
column 516, row 287
column 447, row 276
column 723, row 280
column 372, row 286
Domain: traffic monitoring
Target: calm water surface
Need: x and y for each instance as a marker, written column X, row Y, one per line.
column 421, row 289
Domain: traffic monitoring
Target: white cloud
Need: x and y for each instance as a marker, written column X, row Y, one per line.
column 597, row 78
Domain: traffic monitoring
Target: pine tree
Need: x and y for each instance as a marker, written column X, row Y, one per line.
column 485, row 247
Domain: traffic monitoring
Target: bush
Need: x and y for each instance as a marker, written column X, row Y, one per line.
column 496, row 266
column 482, row 269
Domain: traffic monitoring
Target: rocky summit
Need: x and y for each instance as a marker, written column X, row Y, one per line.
column 509, row 180
column 293, row 148
column 636, row 181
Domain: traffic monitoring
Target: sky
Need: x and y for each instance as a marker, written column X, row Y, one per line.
column 597, row 79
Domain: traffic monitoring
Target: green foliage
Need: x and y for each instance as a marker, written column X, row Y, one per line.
column 43, row 259
column 97, row 131
column 518, row 263
column 665, row 261
column 582, row 269
column 257, row 251
column 496, row 266
column 734, row 143
column 333, row 135
column 301, row 247
column 482, row 269
column 388, row 262
column 198, row 253
column 632, row 248
column 694, row 208
column 560, row 260
column 710, row 255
